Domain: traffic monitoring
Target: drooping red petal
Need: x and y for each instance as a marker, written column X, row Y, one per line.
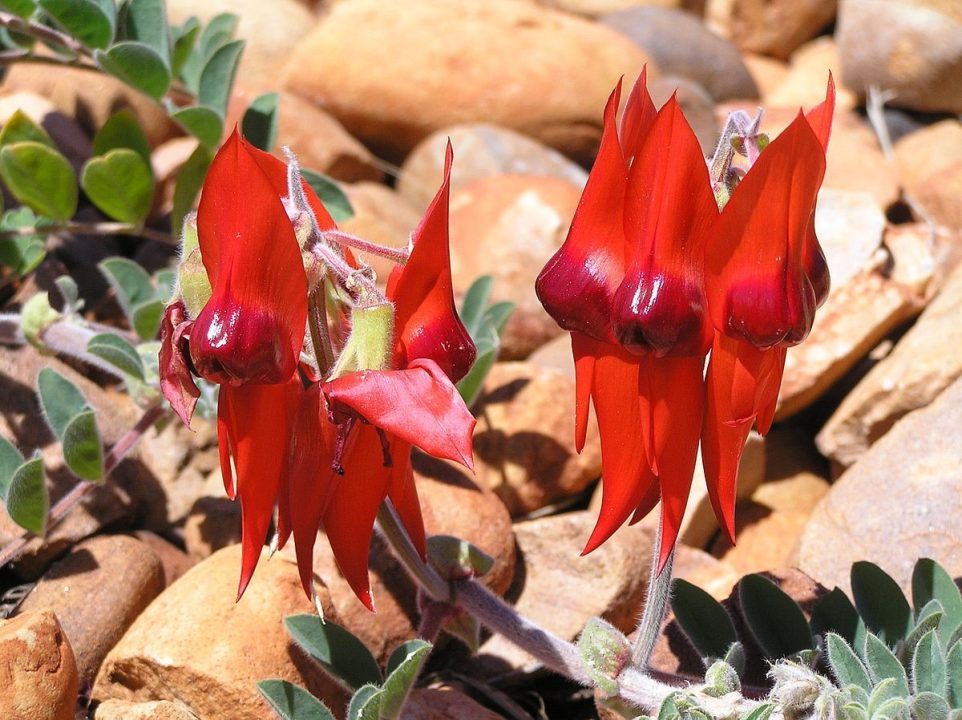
column 577, row 284
column 757, row 286
column 669, row 206
column 224, row 424
column 638, row 117
column 820, row 116
column 418, row 405
column 252, row 328
column 426, row 322
column 813, row 259
column 176, row 382
column 584, row 350
column 258, row 420
column 771, row 382
column 403, row 494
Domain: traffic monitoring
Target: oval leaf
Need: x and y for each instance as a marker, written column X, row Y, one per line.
column 704, row 621
column 130, row 282
column 60, row 400
column 189, row 182
column 217, row 77
column 24, row 253
column 40, row 178
column 883, row 665
column 10, row 460
column 122, row 131
column 332, row 197
column 953, row 665
column 82, row 448
column 880, row 602
column 928, row 665
column 930, row 582
column 137, row 65
column 403, row 667
column 218, row 31
column 834, row 612
column 336, row 649
column 27, row 499
column 21, row 128
column 846, row 666
column 775, row 620
column 147, row 317
column 146, row 22
column 184, row 38
column 366, row 704
column 121, row 184
column 84, row 19
column 118, row 352
column 930, row 706
column 203, row 123
column 292, row 702
column 259, row 124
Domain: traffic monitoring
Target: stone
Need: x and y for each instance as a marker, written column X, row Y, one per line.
column 930, row 165
column 480, row 150
column 911, row 47
column 697, row 105
column 159, row 710
column 97, row 591
column 602, row 8
column 166, row 161
column 444, row 704
column 37, row 670
column 899, row 502
column 924, row 362
column 524, row 440
column 382, row 216
column 770, row 27
column 214, row 521
column 173, row 560
column 804, row 84
column 714, row 576
column 509, row 226
column 768, row 73
column 359, row 62
column 197, row 646
column 681, row 45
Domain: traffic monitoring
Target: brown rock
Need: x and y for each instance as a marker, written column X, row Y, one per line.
column 174, row 561
column 924, row 362
column 921, row 62
column 480, row 151
column 770, row 27
column 97, row 591
column 769, row 74
column 214, row 521
column 160, row 710
column 509, row 226
column 360, row 60
column 166, row 161
column 899, row 502
column 524, row 439
column 804, row 84
column 930, row 164
column 714, row 576
column 697, row 105
column 37, row 670
column 381, row 216
column 444, row 704
column 197, row 646
column 599, row 8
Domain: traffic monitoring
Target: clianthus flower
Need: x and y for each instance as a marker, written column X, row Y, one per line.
column 323, row 442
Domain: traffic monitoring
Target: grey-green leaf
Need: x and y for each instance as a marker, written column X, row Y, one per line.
column 83, row 19
column 953, row 665
column 762, row 712
column 882, row 693
column 19, row 127
column 146, row 318
column 189, row 182
column 834, row 612
column 930, row 581
column 122, row 131
column 28, row 501
column 60, row 400
column 846, row 666
column 336, row 649
column 10, row 460
column 40, row 178
column 203, row 123
column 136, row 64
column 121, row 184
column 774, row 619
column 365, row 704
column 704, row 621
column 130, row 283
column 882, row 664
column 402, row 671
column 217, row 77
column 292, row 702
column 475, row 302
column 82, row 447
column 213, row 36
column 470, row 386
column 880, row 602
column 118, row 352
column 332, row 197
column 259, row 124
column 930, row 706
column 184, row 39
column 928, row 665
column 929, row 619
column 24, row 253
column 146, row 21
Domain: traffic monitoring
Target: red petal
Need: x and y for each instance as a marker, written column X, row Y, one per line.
column 258, row 421
column 252, row 328
column 584, row 350
column 820, row 116
column 638, row 117
column 770, row 384
column 404, row 495
column 176, row 381
column 577, row 284
column 425, row 320
column 418, row 405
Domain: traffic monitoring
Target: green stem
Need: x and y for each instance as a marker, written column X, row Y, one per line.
column 85, row 228
column 320, row 332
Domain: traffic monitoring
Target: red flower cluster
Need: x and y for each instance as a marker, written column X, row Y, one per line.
column 652, row 276
column 326, row 451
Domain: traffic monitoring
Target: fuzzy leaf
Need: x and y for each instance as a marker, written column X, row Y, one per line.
column 82, row 447
column 402, row 671
column 10, row 460
column 146, row 21
column 28, row 501
column 929, row 619
column 456, row 559
column 292, row 702
column 19, row 127
column 332, row 197
column 189, row 181
column 137, row 65
column 846, row 666
column 40, row 178
column 474, row 304
column 882, row 664
column 930, row 582
column 146, row 318
column 336, row 649
column 217, row 77
column 215, row 34
column 184, row 39
column 891, row 709
column 704, row 621
column 880, row 602
column 953, row 666
column 928, row 666
column 835, row 613
column 204, row 123
column 366, row 704
column 60, row 399
column 259, row 124
column 122, row 131
column 120, row 184
column 118, row 352
column 83, row 19
column 775, row 620
column 130, row 282
column 762, row 712
column 882, row 693
column 24, row 253
column 930, row 706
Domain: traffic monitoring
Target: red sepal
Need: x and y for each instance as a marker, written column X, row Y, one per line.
column 176, row 382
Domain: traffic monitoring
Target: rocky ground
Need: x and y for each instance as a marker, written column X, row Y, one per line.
column 129, row 602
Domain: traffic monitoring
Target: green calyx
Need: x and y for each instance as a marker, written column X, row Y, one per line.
column 369, row 346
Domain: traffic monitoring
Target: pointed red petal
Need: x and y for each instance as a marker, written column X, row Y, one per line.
column 403, row 494
column 577, row 284
column 176, row 382
column 252, row 328
column 584, row 350
column 820, row 116
column 771, row 381
column 426, row 321
column 638, row 117
column 418, row 405
column 225, row 421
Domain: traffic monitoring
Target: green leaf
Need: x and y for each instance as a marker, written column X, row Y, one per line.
column 83, row 449
column 146, row 22
column 217, row 78
column 336, row 649
column 470, row 386
column 10, row 460
column 121, row 184
column 456, row 558
column 28, row 501
column 762, row 712
column 184, row 39
column 203, row 123
column 67, row 287
column 137, row 65
column 36, row 316
column 332, row 197
column 60, row 400
column 953, row 666
column 118, row 352
column 402, row 671
column 928, row 665
column 122, row 131
column 882, row 693
column 292, row 702
column 834, row 612
column 217, row 32
column 930, row 706
column 928, row 620
column 189, row 182
column 891, row 709
column 147, row 317
column 24, row 253
column 40, row 178
column 22, row 8
column 19, row 127
column 930, row 581
column 882, row 664
column 880, row 602
column 259, row 124
column 475, row 303
column 83, row 19
column 498, row 314
column 846, row 666
column 775, row 620
column 365, row 704
column 165, row 280
column 130, row 283
column 704, row 621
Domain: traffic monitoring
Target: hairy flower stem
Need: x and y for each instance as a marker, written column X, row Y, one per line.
column 12, row 550
column 398, row 255
column 320, row 332
column 656, row 605
column 44, row 33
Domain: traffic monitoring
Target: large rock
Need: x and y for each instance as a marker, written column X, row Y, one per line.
column 598, row 8
column 900, row 502
column 524, row 439
column 197, row 646
column 37, row 670
column 97, row 591
column 930, row 164
column 381, row 216
column 924, row 362
column 393, row 73
column 770, row 27
column 682, row 45
column 695, row 102
column 804, row 83
column 509, row 226
column 159, row 710
column 480, row 150
column 911, row 47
